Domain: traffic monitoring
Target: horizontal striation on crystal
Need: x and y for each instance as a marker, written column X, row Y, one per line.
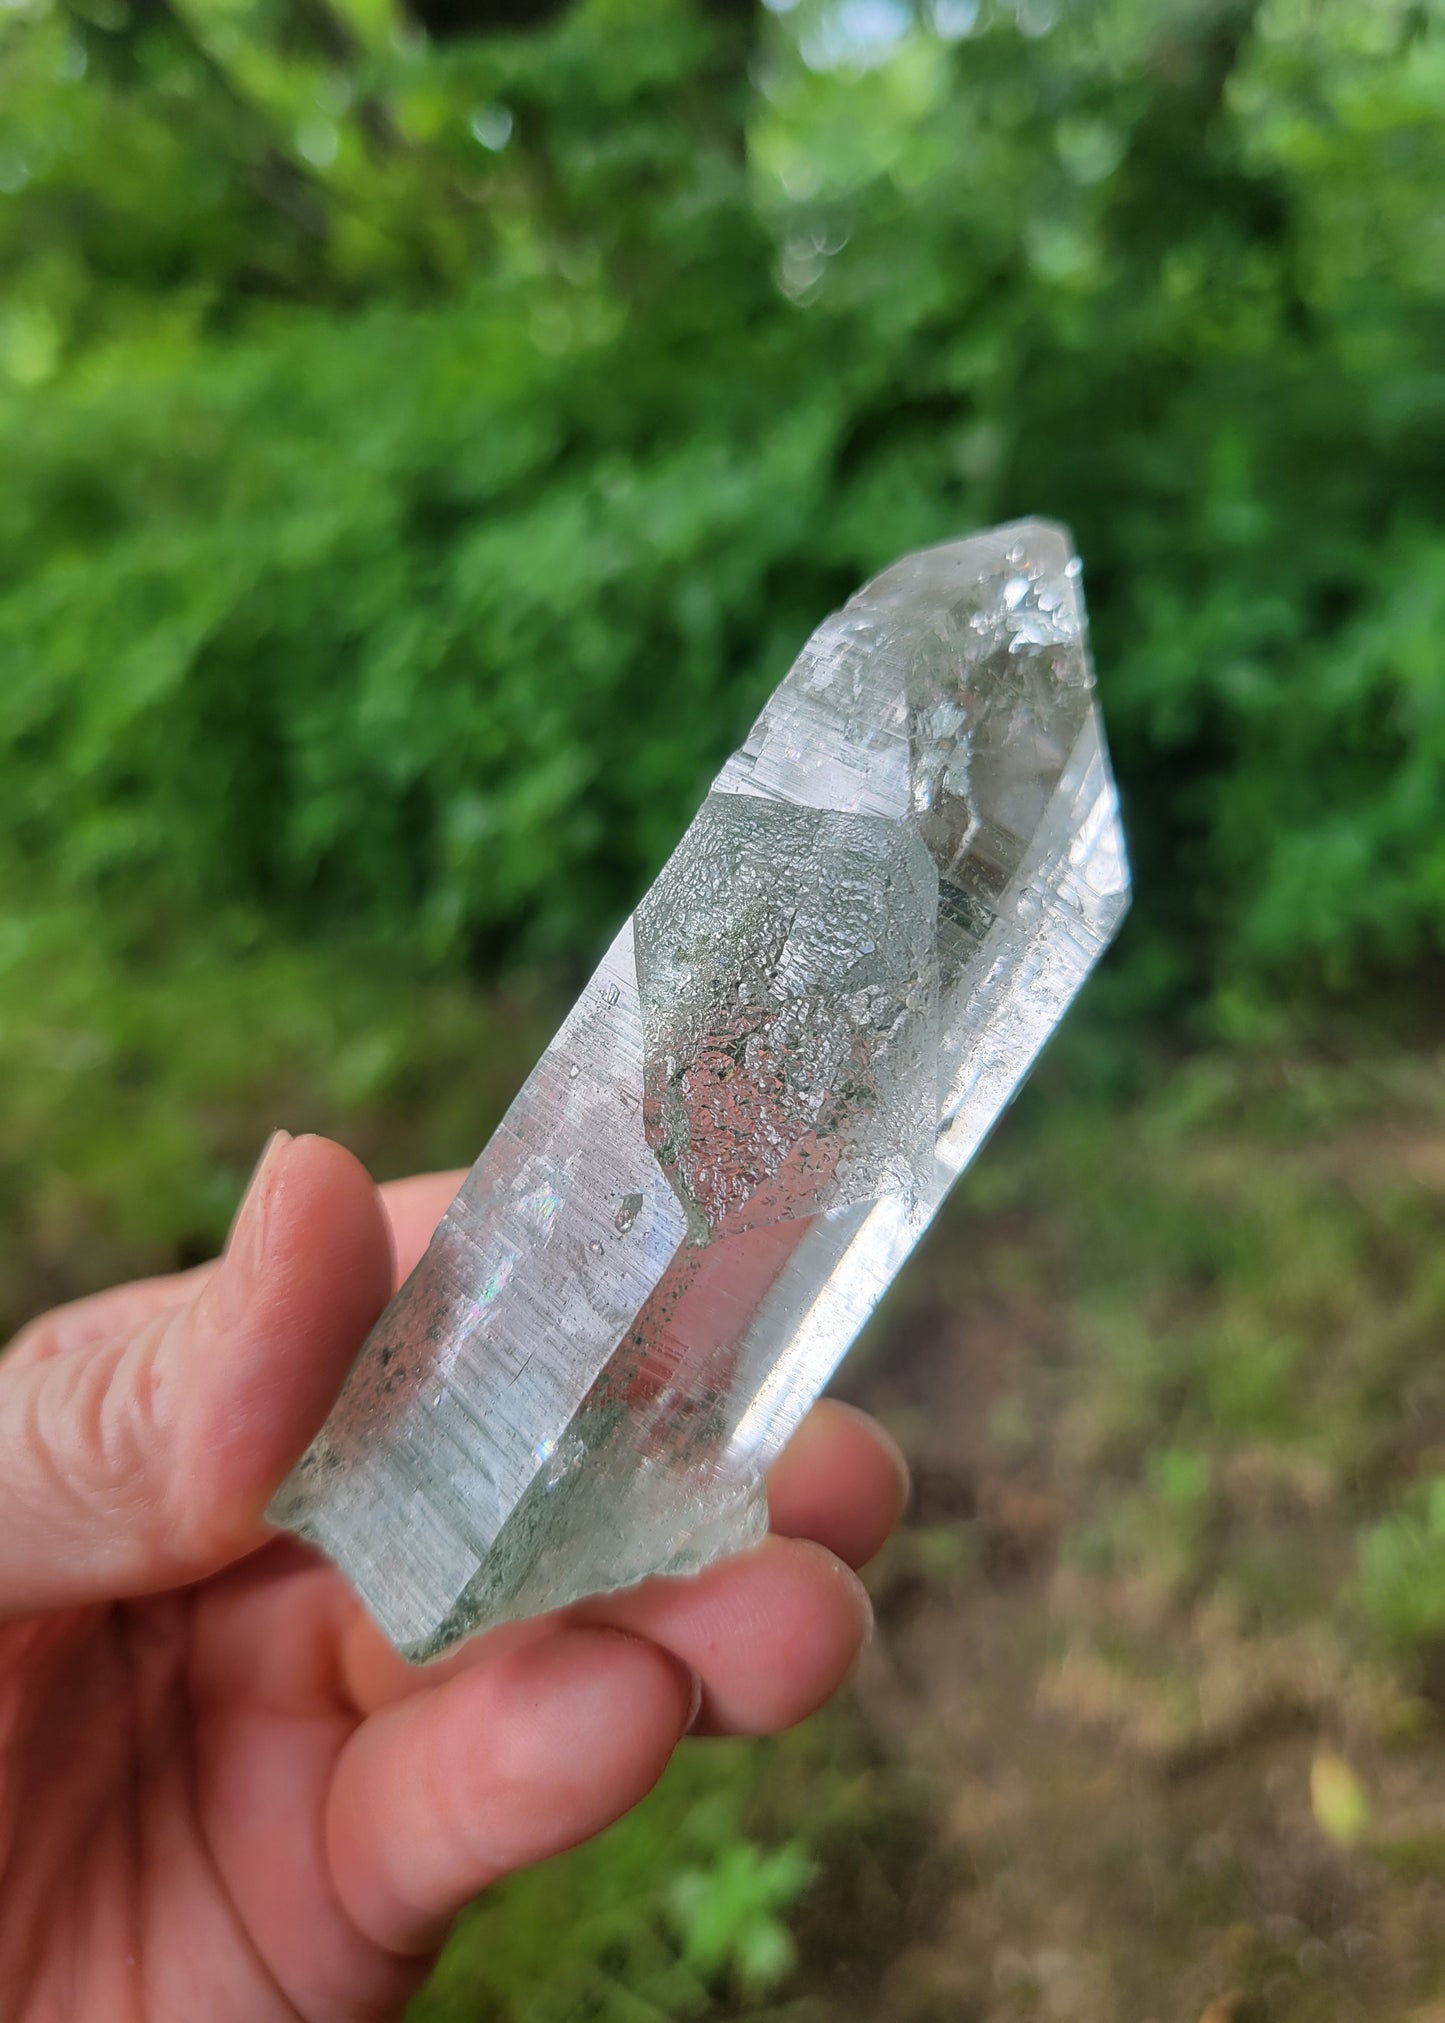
column 788, row 1054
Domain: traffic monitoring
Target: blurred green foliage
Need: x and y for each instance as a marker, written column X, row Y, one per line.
column 421, row 456
column 680, row 1911
column 1402, row 1571
column 134, row 1095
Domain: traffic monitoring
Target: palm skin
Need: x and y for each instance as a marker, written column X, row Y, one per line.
column 221, row 1794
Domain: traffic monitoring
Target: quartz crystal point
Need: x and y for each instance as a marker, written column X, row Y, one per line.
column 750, row 1116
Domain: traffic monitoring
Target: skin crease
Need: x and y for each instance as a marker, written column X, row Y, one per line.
column 221, row 1793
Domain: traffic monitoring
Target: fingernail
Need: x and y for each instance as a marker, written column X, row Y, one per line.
column 863, row 1603
column 696, row 1708
column 901, row 1468
column 246, row 1244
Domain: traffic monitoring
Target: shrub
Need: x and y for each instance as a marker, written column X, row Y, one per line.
column 422, row 458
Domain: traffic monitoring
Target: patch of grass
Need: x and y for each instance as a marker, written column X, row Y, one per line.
column 1220, row 1305
column 141, row 1069
column 1402, row 1571
column 685, row 1908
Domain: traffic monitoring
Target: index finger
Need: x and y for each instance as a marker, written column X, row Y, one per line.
column 414, row 1207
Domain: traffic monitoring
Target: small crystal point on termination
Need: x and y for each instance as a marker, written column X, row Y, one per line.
column 749, row 1117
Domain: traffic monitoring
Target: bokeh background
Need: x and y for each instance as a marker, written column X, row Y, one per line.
column 426, row 433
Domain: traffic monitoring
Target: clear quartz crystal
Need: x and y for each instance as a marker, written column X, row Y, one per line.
column 749, row 1117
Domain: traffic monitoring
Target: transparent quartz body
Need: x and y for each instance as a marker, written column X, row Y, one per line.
column 786, row 1057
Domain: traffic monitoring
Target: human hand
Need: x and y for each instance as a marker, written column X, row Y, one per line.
column 221, row 1793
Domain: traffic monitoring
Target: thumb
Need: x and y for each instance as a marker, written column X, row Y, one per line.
column 143, row 1458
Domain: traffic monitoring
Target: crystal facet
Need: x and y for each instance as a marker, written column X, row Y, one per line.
column 748, row 1119
column 789, row 986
